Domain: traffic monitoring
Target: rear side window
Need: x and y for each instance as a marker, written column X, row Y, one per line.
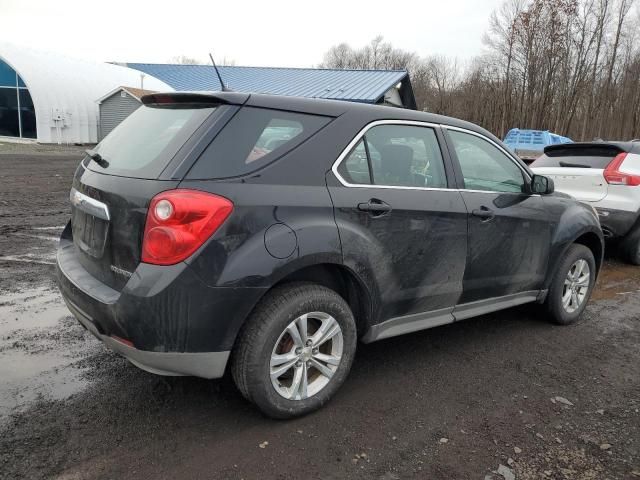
column 146, row 141
column 253, row 138
column 396, row 155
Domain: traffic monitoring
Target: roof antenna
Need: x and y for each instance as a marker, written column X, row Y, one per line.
column 224, row 87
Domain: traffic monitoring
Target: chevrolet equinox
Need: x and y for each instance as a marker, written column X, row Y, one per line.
column 271, row 233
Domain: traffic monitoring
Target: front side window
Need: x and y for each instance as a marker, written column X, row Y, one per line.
column 396, row 155
column 484, row 166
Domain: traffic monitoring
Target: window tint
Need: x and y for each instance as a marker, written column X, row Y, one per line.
column 9, row 121
column 484, row 166
column 399, row 155
column 406, row 156
column 355, row 168
column 252, row 139
column 146, row 141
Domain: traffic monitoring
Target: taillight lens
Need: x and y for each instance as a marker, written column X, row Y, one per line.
column 614, row 176
column 179, row 222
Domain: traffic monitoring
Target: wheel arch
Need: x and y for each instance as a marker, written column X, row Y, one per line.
column 590, row 239
column 335, row 276
column 341, row 280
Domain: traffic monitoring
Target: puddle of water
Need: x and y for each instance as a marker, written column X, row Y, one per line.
column 61, row 227
column 38, row 349
column 35, row 308
column 28, row 377
column 50, row 238
column 45, row 259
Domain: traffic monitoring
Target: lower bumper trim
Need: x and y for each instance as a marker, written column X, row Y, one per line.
column 198, row 364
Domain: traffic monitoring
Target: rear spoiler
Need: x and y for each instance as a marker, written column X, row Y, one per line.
column 596, row 149
column 195, row 98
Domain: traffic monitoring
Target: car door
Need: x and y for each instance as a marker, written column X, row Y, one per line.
column 401, row 225
column 509, row 229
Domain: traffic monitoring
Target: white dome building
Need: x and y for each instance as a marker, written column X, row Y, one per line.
column 52, row 98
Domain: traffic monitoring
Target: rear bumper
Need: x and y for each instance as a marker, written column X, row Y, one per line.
column 202, row 364
column 171, row 322
column 616, row 223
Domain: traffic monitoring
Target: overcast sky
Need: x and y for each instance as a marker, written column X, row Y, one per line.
column 262, row 33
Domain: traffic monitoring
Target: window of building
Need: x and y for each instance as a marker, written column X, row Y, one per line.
column 17, row 113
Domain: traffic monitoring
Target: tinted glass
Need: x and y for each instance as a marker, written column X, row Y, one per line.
column 405, row 156
column 484, row 166
column 146, row 141
column 27, row 114
column 7, row 75
column 9, row 125
column 355, row 168
column 252, row 139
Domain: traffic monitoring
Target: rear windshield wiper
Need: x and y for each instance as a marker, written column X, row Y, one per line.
column 574, row 165
column 96, row 157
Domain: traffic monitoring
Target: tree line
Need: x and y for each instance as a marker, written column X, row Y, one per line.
column 569, row 66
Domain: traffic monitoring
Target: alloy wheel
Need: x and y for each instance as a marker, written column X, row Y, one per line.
column 576, row 286
column 306, row 356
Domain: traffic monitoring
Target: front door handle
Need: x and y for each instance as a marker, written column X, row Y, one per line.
column 375, row 207
column 484, row 213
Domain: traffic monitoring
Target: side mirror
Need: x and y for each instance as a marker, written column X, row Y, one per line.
column 542, row 185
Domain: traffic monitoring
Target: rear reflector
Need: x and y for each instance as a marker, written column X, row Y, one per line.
column 124, row 341
column 614, row 176
column 179, row 222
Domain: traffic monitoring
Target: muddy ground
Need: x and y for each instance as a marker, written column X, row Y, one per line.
column 507, row 392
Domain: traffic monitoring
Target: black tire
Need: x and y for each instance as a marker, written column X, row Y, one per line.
column 250, row 362
column 554, row 300
column 631, row 246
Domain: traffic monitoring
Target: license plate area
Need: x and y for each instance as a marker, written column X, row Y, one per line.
column 89, row 233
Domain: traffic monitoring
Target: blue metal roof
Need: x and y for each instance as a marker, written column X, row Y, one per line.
column 366, row 86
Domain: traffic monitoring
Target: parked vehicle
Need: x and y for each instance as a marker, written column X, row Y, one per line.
column 529, row 144
column 196, row 242
column 605, row 175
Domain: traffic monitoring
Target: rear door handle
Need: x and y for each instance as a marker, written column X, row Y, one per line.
column 375, row 207
column 484, row 213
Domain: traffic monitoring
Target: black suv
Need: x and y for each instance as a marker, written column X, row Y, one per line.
column 272, row 233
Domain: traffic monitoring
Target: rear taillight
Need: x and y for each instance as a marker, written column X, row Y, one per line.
column 179, row 222
column 614, row 176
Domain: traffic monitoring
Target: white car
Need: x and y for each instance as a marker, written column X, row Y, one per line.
column 605, row 175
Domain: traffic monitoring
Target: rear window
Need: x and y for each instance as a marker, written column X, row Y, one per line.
column 588, row 157
column 254, row 138
column 146, row 141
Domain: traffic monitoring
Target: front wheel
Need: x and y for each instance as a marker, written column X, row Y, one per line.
column 296, row 350
column 572, row 285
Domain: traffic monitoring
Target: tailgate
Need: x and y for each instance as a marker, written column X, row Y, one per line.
column 584, row 184
column 108, row 215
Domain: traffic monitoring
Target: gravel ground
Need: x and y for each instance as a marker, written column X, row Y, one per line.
column 505, row 394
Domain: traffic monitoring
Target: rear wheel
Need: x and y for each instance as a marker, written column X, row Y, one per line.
column 572, row 285
column 295, row 351
column 631, row 246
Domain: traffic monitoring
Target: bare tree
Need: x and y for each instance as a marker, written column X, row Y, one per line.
column 572, row 66
column 184, row 60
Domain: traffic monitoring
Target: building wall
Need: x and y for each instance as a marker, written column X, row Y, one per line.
column 64, row 90
column 115, row 109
